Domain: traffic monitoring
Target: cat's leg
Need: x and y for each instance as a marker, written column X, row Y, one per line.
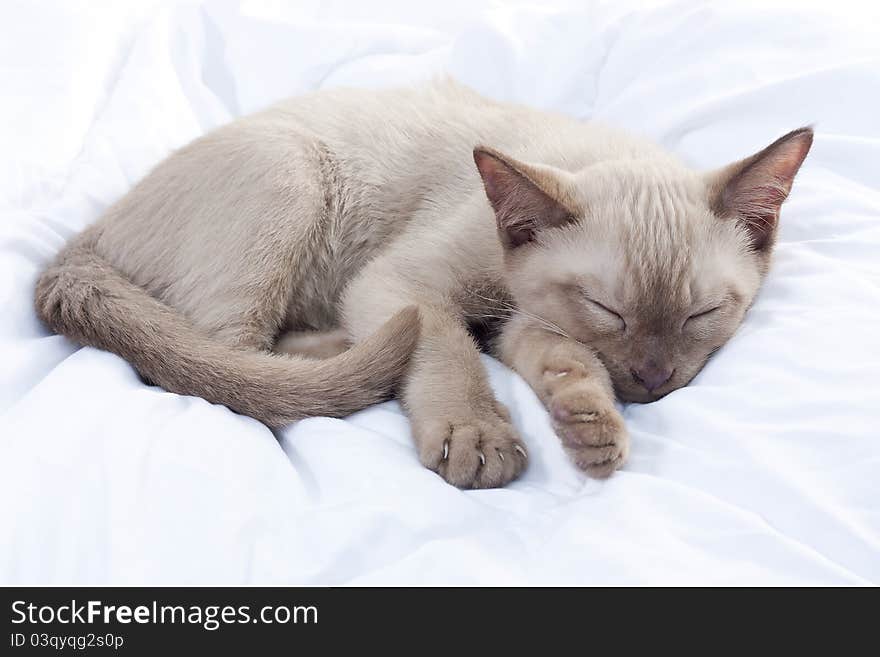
column 461, row 431
column 312, row 344
column 573, row 384
column 239, row 229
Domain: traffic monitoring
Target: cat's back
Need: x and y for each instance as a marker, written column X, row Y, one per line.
column 359, row 116
column 411, row 146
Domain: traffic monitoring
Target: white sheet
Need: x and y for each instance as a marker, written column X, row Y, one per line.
column 763, row 471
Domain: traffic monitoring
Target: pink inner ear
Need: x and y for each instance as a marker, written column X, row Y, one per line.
column 761, row 183
column 499, row 180
column 757, row 206
column 521, row 207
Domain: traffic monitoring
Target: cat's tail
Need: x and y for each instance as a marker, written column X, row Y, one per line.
column 83, row 297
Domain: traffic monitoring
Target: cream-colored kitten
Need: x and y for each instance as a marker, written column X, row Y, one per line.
column 591, row 262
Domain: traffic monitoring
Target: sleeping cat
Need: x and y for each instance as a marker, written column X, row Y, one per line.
column 405, row 222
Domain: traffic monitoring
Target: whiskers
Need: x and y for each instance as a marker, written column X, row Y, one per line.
column 504, row 310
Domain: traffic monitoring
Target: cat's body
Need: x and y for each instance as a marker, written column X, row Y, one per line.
column 342, row 208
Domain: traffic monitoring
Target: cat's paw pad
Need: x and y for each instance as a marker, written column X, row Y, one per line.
column 482, row 451
column 592, row 431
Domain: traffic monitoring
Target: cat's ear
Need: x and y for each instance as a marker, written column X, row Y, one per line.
column 525, row 197
column 752, row 190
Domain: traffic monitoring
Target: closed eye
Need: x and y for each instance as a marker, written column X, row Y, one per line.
column 703, row 313
column 609, row 311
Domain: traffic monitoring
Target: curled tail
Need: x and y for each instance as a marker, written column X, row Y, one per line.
column 85, row 298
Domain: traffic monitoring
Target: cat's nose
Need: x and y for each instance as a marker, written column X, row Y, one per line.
column 651, row 376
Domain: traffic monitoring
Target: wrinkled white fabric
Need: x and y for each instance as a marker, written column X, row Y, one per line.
column 763, row 471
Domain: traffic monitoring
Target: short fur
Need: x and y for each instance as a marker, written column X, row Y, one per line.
column 591, row 262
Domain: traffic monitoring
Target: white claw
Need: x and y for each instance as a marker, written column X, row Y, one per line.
column 445, row 450
column 521, row 451
column 501, row 455
column 563, row 373
column 482, row 458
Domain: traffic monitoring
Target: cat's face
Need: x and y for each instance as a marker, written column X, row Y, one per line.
column 651, row 265
column 654, row 287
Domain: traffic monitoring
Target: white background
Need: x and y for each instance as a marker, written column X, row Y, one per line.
column 764, row 470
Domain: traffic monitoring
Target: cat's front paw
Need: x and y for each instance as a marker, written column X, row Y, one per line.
column 479, row 450
column 592, row 431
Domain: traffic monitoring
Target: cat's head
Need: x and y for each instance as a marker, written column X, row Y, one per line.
column 647, row 262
